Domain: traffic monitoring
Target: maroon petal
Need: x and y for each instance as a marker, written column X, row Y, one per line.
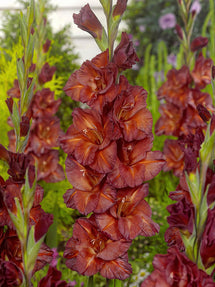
column 117, row 269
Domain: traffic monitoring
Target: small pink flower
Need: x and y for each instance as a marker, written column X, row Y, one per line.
column 167, row 21
column 171, row 59
column 142, row 28
column 72, row 283
column 196, row 7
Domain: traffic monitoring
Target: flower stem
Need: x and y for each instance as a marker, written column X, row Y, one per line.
column 90, row 281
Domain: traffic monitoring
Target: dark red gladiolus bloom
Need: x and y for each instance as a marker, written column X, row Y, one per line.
column 48, row 167
column 15, row 91
column 176, row 89
column 52, row 279
column 10, row 274
column 44, row 135
column 87, row 21
column 42, row 221
column 82, row 178
column 18, row 164
column 174, row 156
column 175, row 269
column 4, row 215
column 198, row 43
column 131, row 114
column 129, row 217
column 136, row 164
column 124, row 54
column 44, row 104
column 90, row 251
column 170, row 121
column 202, row 72
column 98, row 199
column 181, row 215
column 46, row 74
column 89, row 140
column 90, row 192
column 207, row 250
column 94, row 83
column 173, row 238
column 119, row 8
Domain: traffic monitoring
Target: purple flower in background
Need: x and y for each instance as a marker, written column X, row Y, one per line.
column 142, row 28
column 136, row 43
column 171, row 59
column 159, row 76
column 167, row 21
column 72, row 283
column 130, row 36
column 196, row 7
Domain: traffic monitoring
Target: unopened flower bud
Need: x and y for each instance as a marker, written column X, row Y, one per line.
column 120, row 8
column 203, row 113
column 213, row 72
column 198, row 43
column 46, row 46
column 87, row 21
column 179, row 31
column 9, row 103
column 24, row 126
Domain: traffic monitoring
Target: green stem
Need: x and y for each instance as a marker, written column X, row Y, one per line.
column 198, row 221
column 90, row 281
column 24, row 242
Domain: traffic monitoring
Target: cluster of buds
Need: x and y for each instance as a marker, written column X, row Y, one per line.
column 109, row 154
column 45, row 127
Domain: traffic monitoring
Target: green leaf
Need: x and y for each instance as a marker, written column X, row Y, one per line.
column 210, row 269
column 203, row 212
column 30, row 14
column 106, row 4
column 15, row 117
column 23, row 27
column 30, row 50
column 103, row 43
column 28, row 96
column 18, row 220
column 117, row 283
column 194, row 187
column 28, row 192
column 189, row 245
column 20, row 74
column 32, row 249
column 207, row 152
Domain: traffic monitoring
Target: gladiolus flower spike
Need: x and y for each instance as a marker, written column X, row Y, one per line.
column 109, row 158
